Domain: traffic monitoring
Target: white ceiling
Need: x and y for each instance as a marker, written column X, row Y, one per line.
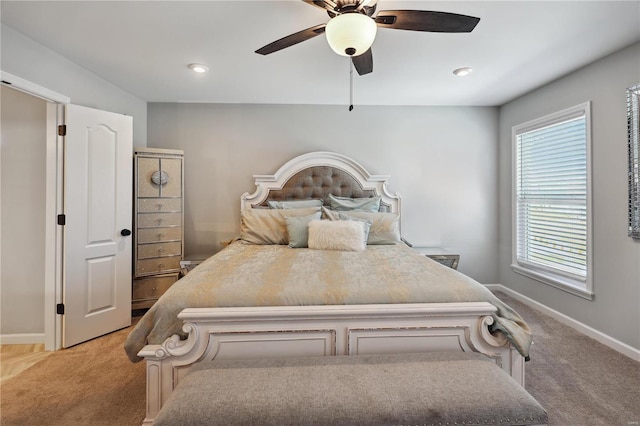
column 144, row 47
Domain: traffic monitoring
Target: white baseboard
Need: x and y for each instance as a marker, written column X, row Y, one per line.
column 599, row 336
column 22, row 339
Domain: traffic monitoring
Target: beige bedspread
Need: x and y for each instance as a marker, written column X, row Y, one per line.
column 276, row 275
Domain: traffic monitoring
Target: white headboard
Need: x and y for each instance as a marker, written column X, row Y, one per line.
column 318, row 174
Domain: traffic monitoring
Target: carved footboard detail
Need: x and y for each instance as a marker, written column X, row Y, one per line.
column 219, row 333
column 498, row 339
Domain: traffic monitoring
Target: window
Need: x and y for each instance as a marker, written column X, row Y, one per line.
column 551, row 223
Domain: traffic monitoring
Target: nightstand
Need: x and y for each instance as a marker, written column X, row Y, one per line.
column 187, row 265
column 440, row 255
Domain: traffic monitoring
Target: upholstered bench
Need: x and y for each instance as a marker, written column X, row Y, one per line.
column 408, row 389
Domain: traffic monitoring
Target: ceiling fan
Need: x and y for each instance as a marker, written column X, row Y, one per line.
column 352, row 28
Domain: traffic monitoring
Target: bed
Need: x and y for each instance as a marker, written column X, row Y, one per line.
column 261, row 297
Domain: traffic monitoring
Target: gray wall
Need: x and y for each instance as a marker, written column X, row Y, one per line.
column 23, row 206
column 27, row 59
column 616, row 257
column 443, row 160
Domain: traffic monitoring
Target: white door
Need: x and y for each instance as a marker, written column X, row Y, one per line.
column 98, row 214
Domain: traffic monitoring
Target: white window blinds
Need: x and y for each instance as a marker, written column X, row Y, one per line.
column 551, row 194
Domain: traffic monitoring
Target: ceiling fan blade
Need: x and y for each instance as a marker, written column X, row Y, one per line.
column 368, row 6
column 292, row 39
column 424, row 20
column 363, row 63
column 322, row 4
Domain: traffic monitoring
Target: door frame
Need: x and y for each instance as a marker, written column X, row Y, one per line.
column 54, row 204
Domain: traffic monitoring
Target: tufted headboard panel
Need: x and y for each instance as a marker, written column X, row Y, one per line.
column 317, row 183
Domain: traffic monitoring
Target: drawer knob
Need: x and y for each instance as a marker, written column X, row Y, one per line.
column 160, row 206
column 160, row 250
column 159, row 236
column 159, row 221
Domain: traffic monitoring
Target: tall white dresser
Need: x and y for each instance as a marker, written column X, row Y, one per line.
column 159, row 221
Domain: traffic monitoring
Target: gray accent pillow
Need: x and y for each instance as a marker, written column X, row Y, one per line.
column 294, row 204
column 346, row 204
column 298, row 229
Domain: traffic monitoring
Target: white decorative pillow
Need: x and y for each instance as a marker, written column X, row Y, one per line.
column 268, row 226
column 344, row 235
column 385, row 227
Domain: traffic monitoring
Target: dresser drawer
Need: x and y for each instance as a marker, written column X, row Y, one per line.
column 156, row 235
column 151, row 288
column 146, row 251
column 159, row 205
column 153, row 220
column 157, row 265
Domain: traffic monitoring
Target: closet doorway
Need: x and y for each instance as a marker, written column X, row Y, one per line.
column 23, row 217
column 63, row 284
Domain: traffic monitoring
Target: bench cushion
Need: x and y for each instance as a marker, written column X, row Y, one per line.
column 432, row 388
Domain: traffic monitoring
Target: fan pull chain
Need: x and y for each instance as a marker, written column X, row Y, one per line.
column 350, row 85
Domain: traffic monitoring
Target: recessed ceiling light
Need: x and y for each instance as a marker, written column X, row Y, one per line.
column 461, row 72
column 199, row 68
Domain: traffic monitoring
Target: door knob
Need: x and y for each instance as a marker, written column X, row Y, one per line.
column 125, row 232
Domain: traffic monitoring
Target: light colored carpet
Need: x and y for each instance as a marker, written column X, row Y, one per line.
column 577, row 380
column 93, row 383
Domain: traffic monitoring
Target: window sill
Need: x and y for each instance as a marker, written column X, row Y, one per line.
column 561, row 283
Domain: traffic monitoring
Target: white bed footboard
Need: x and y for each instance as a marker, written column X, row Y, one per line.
column 263, row 332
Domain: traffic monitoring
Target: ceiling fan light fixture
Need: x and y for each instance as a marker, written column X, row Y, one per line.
column 351, row 34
